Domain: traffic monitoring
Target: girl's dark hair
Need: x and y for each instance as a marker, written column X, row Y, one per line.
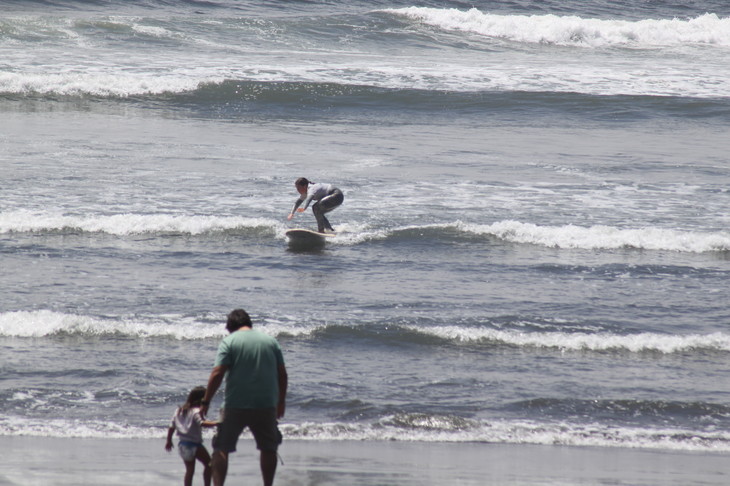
column 194, row 398
column 302, row 182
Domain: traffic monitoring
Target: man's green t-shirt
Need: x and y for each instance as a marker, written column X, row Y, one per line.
column 253, row 359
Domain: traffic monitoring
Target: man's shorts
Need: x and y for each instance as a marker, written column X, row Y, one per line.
column 261, row 421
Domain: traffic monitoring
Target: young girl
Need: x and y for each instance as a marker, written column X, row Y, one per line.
column 188, row 423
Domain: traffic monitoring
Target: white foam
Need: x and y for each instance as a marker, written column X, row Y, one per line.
column 62, row 428
column 350, row 234
column 43, row 323
column 127, row 224
column 430, row 429
column 598, row 237
column 414, row 428
column 47, row 323
column 103, row 84
column 708, row 29
column 601, row 341
column 604, row 237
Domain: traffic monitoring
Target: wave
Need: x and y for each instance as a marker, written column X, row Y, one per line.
column 602, row 237
column 419, row 427
column 416, row 427
column 624, row 409
column 113, row 85
column 45, row 323
column 387, row 91
column 599, row 237
column 707, row 29
column 23, row 221
column 580, row 341
column 304, row 62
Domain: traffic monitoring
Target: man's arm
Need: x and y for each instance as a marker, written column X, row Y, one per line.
column 214, row 382
column 283, row 384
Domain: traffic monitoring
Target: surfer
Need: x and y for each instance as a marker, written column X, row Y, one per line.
column 326, row 196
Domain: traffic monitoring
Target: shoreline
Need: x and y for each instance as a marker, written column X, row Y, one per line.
column 30, row 461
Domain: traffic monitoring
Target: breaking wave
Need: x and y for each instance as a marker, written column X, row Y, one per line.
column 128, row 224
column 415, row 427
column 45, row 323
column 580, row 341
column 599, row 237
column 569, row 236
column 708, row 29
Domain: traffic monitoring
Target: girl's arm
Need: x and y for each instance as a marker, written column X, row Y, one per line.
column 168, row 444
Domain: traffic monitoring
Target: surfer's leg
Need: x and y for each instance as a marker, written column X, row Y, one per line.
column 322, row 221
column 325, row 205
column 319, row 215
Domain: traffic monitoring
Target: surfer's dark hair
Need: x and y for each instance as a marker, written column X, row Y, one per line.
column 195, row 398
column 302, row 182
column 237, row 319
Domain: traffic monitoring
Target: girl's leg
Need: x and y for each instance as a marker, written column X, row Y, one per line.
column 189, row 471
column 204, row 458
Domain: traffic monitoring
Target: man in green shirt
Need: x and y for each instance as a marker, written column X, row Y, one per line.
column 255, row 394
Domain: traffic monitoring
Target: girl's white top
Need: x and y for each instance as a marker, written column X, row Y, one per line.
column 189, row 426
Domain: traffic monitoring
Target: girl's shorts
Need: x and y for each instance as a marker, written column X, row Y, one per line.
column 188, row 450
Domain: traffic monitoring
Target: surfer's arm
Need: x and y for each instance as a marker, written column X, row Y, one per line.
column 305, row 203
column 293, row 210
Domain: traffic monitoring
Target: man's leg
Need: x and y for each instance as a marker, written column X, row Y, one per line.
column 268, row 467
column 219, row 465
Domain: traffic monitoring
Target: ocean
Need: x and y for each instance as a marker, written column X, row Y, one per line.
column 533, row 247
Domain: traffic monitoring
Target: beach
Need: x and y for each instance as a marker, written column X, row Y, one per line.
column 29, row 461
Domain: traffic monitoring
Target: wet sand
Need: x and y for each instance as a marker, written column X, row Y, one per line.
column 30, row 461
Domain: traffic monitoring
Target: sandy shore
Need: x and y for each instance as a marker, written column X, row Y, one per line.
column 30, row 461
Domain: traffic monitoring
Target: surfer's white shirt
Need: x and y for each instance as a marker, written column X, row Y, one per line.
column 189, row 427
column 316, row 192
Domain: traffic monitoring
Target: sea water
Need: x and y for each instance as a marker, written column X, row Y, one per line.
column 533, row 246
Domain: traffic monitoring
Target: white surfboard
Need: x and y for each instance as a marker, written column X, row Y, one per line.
column 303, row 238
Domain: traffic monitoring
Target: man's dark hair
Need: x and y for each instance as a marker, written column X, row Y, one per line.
column 237, row 319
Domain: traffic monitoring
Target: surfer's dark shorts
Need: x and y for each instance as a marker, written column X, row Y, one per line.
column 261, row 421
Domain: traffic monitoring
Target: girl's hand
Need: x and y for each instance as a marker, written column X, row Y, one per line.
column 168, row 446
column 291, row 215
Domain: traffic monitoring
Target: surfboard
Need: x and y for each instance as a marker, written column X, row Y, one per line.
column 305, row 238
